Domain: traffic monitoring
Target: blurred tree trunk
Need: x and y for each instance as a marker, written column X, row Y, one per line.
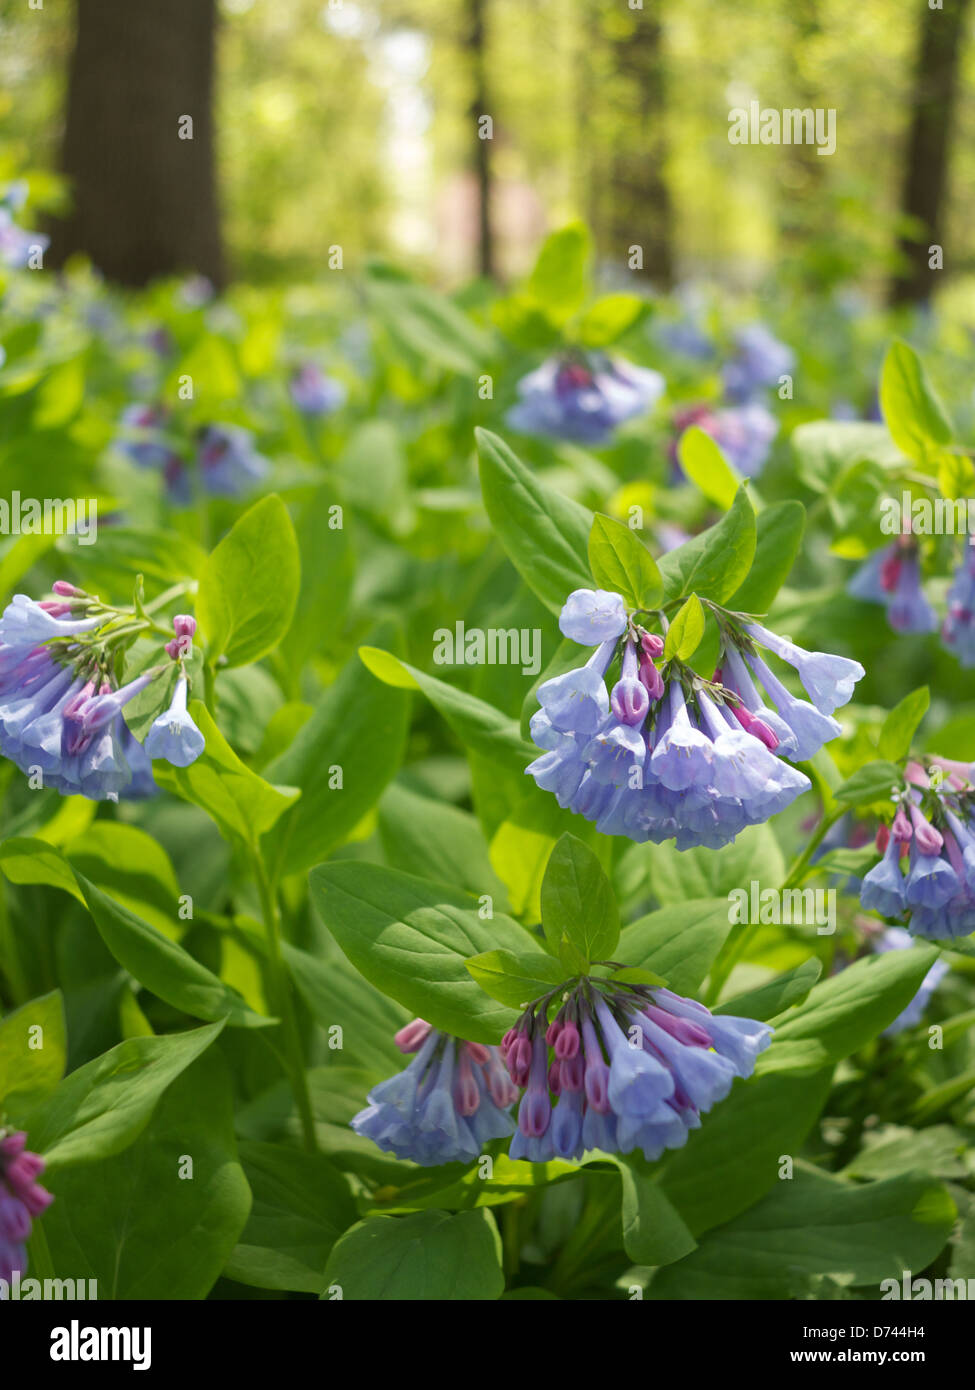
column 642, row 212
column 144, row 199
column 482, row 148
column 926, row 170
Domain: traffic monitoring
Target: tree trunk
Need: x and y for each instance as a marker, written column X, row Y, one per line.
column 482, row 147
column 144, row 200
column 642, row 212
column 926, row 171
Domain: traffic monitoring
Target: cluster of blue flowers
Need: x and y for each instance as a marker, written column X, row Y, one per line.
column 927, row 872
column 757, row 363
column 743, row 426
column 744, row 433
column 61, row 717
column 583, row 397
column 313, row 393
column 17, row 246
column 226, row 457
column 632, row 1067
column 666, row 754
column 443, row 1108
column 892, row 576
column 958, row 629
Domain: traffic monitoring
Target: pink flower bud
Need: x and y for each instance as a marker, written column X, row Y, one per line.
column 184, row 625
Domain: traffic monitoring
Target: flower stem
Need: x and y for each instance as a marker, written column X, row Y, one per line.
column 284, row 1001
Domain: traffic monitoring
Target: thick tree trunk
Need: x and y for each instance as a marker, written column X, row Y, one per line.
column 144, row 195
column 482, row 147
column 928, row 146
column 642, row 212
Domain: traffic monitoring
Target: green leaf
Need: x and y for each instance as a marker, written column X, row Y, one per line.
column 436, row 840
column 558, row 281
column 872, row 782
column 702, row 460
column 428, row 325
column 102, row 1107
column 768, row 1000
column 242, row 804
column 412, row 939
column 26, row 860
column 164, row 967
column 340, row 760
column 523, row 843
column 816, row 1225
column 33, row 1047
column 914, row 414
column 845, row 1011
column 621, row 563
column 578, row 903
column 654, row 1232
column 144, row 1224
column 715, row 563
column 429, row 1257
column 779, row 531
column 686, row 632
column 302, row 1204
column 901, row 725
column 608, row 318
column 545, row 535
column 678, row 942
column 250, row 586
column 476, row 723
column 338, row 997
column 516, row 979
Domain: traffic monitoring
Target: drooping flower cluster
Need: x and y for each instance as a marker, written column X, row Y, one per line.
column 631, row 1067
column 744, row 433
column 958, row 629
column 583, row 397
column 452, row 1098
column 892, row 576
column 226, row 459
column 313, row 393
column 666, row 754
column 61, row 706
column 22, row 1200
column 926, row 875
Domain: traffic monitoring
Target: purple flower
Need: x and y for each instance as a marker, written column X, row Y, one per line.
column 173, row 735
column 892, row 576
column 759, row 360
column 935, row 818
column 61, row 721
column 668, row 755
column 829, row 680
column 451, row 1099
column 632, row 1068
column 583, row 398
column 26, row 623
column 591, row 616
column 314, row 393
column 228, row 460
column 22, row 1200
column 958, row 629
